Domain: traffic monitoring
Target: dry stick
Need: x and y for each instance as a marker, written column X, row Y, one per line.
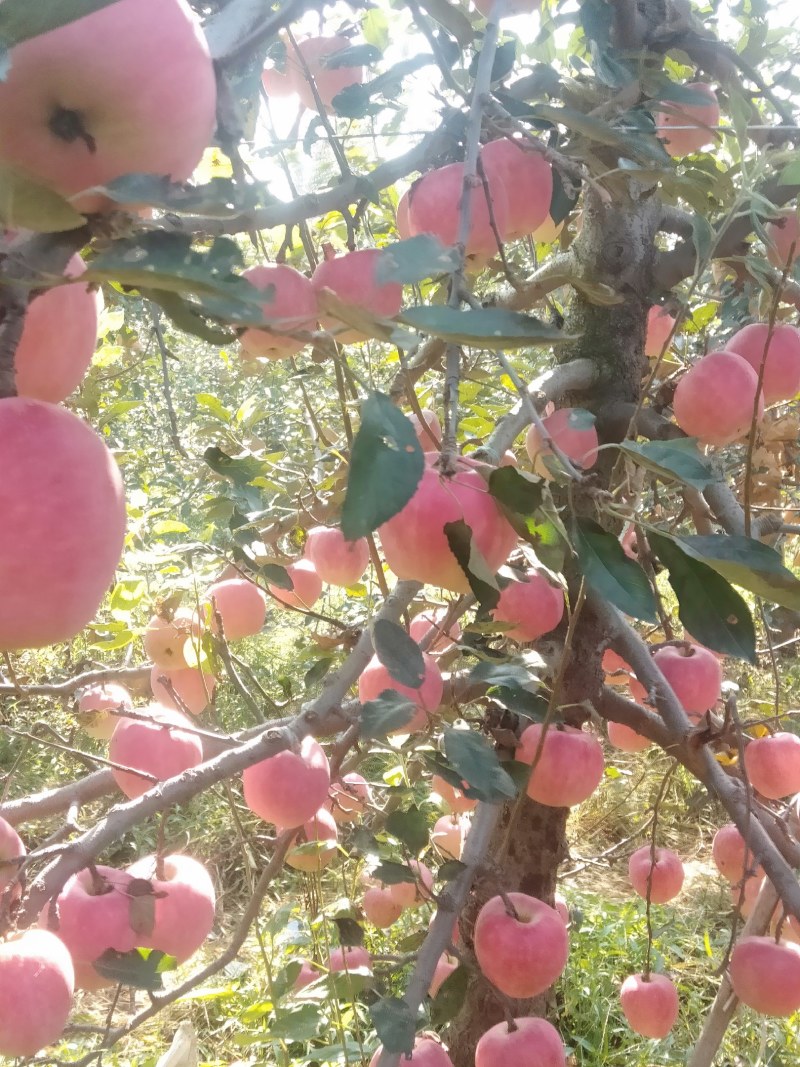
column 72, row 685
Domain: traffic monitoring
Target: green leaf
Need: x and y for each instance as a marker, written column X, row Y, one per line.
column 450, row 870
column 317, row 671
column 389, row 873
column 493, row 672
column 632, row 143
column 790, row 175
column 747, row 563
column 410, row 827
column 395, row 1024
column 125, row 597
column 356, row 55
column 296, row 1024
column 214, row 406
column 678, row 459
column 390, row 711
column 610, row 573
column 26, row 205
column 141, row 968
column 468, row 556
column 276, row 575
column 20, row 19
column 491, row 328
column 399, row 653
column 240, row 471
column 452, row 18
column 415, row 259
column 516, row 490
column 703, row 237
column 475, row 760
column 351, row 933
column 451, row 997
column 710, row 609
column 385, row 467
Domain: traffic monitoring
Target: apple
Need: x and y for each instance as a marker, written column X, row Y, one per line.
column 330, row 80
column 11, row 849
column 380, row 907
column 660, row 325
column 321, row 828
column 351, row 958
column 783, row 239
column 694, row 675
column 240, row 604
column 184, row 905
column 744, row 895
column 430, row 622
column 94, row 913
column 779, row 351
column 88, row 978
column 451, row 797
column 765, row 975
column 666, row 879
column 428, row 429
column 521, row 952
column 309, row 972
column 164, row 747
column 528, row 181
column 533, row 605
column 104, row 96
column 193, row 687
column 448, row 836
column 37, row 981
column 562, row 907
column 165, row 638
column 626, row 739
column 95, row 704
column 58, row 338
column 434, row 206
column 773, row 765
column 427, row 1053
column 730, row 854
column 353, row 277
column 53, row 585
column 548, row 232
column 445, row 966
column 349, row 797
column 336, row 560
column 291, row 308
column 306, row 586
column 572, row 430
column 715, row 399
column 401, row 217
column 375, row 679
column 290, row 787
column 532, row 1043
column 414, row 541
column 650, row 1004
column 569, row 768
column 414, row 894
column 687, row 128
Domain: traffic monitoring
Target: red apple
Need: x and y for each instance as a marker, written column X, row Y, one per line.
column 688, row 128
column 731, row 855
column 426, row 699
column 533, row 1043
column 773, row 765
column 193, row 687
column 320, row 828
column 309, row 972
column 353, row 278
column 533, row 605
column 430, row 622
column 523, row 953
column 650, row 1004
column 448, row 836
column 104, row 96
column 666, row 880
column 380, row 908
column 329, row 80
column 241, row 605
column 184, row 905
column 164, row 747
column 765, row 975
column 288, row 788
column 414, row 894
column 569, row 768
column 94, row 914
column 626, row 739
column 351, row 958
column 349, row 797
column 528, row 181
column 427, row 1053
column 451, row 797
column 715, row 399
column 779, row 351
column 63, row 524
column 37, row 980
column 336, row 561
column 660, row 325
column 572, row 431
column 291, row 308
column 306, row 586
column 435, row 207
column 445, row 966
column 694, row 675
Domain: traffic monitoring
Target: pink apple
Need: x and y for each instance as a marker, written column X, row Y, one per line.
column 650, row 1004
column 766, row 975
column 533, row 606
column 572, row 431
column 37, row 980
column 329, row 80
column 667, row 876
column 336, row 561
column 689, row 127
column 288, row 788
column 779, row 351
column 694, row 674
column 349, row 797
column 445, row 966
column 240, row 604
column 715, row 399
column 11, row 848
column 414, row 894
column 165, row 638
column 451, row 797
column 626, row 739
column 193, row 687
column 163, row 747
column 773, row 765
column 309, row 972
column 533, row 1043
column 745, row 894
column 783, row 239
column 292, row 308
column 306, row 586
column 569, row 768
column 352, row 958
column 428, row 429
column 380, row 908
column 528, row 181
column 731, row 855
column 426, row 699
column 427, row 1053
column 95, row 704
column 433, row 207
column 184, row 905
column 321, row 830
column 448, row 836
column 660, row 325
column 429, row 623
column 353, row 277
column 94, row 913
column 523, row 953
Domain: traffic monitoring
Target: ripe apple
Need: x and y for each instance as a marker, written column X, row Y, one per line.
column 165, row 638
column 184, row 905
column 572, row 431
column 428, row 429
column 95, row 704
column 53, row 585
column 194, row 687
column 569, row 768
column 321, row 827
column 241, row 605
column 745, row 894
column 336, row 561
column 765, row 975
column 731, row 855
column 650, row 1004
column 414, row 542
column 626, row 739
column 352, row 958
column 291, row 308
column 694, row 675
column 288, row 788
column 11, row 848
column 329, row 80
column 448, row 836
column 523, row 953
column 773, row 765
column 380, row 908
column 37, row 981
column 667, row 874
column 309, row 972
column 434, row 206
column 105, row 96
column 660, row 325
column 431, row 621
column 94, row 912
column 534, row 605
column 451, row 797
column 528, row 181
column 426, row 699
column 715, row 399
column 307, row 586
column 779, row 352
column 164, row 746
column 445, row 966
column 414, row 894
column 534, row 1043
column 783, row 244
column 548, row 232
column 401, row 217
column 349, row 797
column 688, row 128
column 352, row 277
column 427, row 1053
column 58, row 339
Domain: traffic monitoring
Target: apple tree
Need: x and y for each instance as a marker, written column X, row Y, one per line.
column 440, row 442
